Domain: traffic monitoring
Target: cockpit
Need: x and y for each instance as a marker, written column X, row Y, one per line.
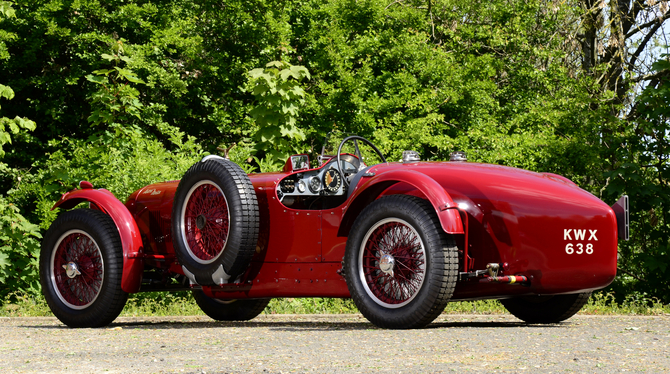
column 326, row 186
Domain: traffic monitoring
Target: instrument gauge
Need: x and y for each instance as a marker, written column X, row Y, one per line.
column 301, row 186
column 314, row 184
column 332, row 180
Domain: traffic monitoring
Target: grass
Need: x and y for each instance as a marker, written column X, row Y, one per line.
column 182, row 304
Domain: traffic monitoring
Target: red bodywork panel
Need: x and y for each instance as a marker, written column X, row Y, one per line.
column 543, row 226
column 128, row 230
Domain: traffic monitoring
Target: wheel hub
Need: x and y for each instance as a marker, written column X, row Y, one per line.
column 200, row 222
column 386, row 264
column 71, row 269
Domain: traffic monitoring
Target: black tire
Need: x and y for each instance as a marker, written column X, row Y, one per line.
column 428, row 269
column 215, row 242
column 230, row 310
column 546, row 309
column 81, row 263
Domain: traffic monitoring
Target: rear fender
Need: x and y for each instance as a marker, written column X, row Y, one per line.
column 445, row 208
column 131, row 241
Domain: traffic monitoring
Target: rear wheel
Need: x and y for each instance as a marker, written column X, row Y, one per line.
column 81, row 263
column 546, row 309
column 215, row 222
column 400, row 267
column 230, row 310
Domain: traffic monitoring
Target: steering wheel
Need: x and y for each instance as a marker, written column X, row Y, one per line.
column 357, row 153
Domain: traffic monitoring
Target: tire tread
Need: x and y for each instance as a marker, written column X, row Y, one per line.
column 112, row 298
column 245, row 221
column 556, row 309
column 443, row 279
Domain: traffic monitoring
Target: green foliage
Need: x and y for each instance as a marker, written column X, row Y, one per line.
column 193, row 58
column 485, row 78
column 313, row 305
column 182, row 304
column 161, row 304
column 19, row 252
column 115, row 97
column 143, row 161
column 12, row 126
column 6, row 9
column 9, row 126
column 605, row 303
column 642, row 170
column 19, row 238
column 132, row 92
column 278, row 98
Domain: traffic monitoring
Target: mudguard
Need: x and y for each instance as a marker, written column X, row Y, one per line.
column 446, row 209
column 131, row 241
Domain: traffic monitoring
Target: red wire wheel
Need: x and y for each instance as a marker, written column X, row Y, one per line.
column 81, row 265
column 392, row 263
column 400, row 267
column 215, row 222
column 77, row 269
column 206, row 222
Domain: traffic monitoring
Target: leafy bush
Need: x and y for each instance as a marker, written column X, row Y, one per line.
column 642, row 170
column 278, row 98
column 142, row 161
column 19, row 252
column 120, row 164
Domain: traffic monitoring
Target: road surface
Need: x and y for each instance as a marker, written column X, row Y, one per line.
column 337, row 344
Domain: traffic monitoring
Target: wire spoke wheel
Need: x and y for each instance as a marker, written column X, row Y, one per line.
column 206, row 222
column 400, row 267
column 392, row 262
column 77, row 269
column 216, row 221
column 81, row 266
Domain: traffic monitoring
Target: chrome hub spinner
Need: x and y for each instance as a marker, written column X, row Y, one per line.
column 71, row 269
column 387, row 263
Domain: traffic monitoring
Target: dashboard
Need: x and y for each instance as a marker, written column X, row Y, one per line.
column 321, row 182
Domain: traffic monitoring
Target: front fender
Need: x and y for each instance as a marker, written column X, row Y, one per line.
column 131, row 240
column 445, row 208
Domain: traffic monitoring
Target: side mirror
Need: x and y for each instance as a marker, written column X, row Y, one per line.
column 298, row 162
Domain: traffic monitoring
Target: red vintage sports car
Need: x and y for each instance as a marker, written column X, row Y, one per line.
column 401, row 238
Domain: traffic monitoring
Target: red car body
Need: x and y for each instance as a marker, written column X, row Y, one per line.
column 546, row 235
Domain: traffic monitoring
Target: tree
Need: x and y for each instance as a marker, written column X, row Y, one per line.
column 619, row 42
column 643, row 172
column 19, row 238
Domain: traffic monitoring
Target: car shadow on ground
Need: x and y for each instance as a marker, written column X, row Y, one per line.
column 302, row 325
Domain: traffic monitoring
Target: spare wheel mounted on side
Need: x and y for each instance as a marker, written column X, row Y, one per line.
column 215, row 221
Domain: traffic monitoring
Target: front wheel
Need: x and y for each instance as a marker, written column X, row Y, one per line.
column 546, row 309
column 81, row 263
column 230, row 310
column 400, row 267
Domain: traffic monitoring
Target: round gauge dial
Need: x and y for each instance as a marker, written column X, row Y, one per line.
column 332, row 180
column 314, row 184
column 301, row 186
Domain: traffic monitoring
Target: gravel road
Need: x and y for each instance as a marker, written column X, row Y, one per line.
column 337, row 344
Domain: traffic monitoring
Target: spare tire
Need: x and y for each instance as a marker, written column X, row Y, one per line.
column 215, row 221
